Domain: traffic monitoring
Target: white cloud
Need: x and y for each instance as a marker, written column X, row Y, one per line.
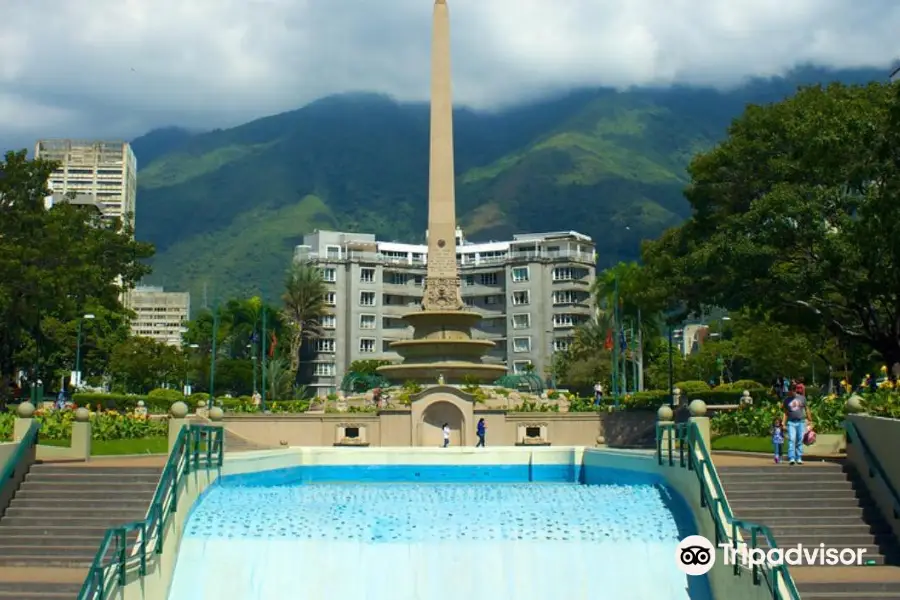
column 128, row 65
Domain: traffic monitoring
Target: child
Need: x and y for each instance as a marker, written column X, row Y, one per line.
column 446, row 431
column 778, row 438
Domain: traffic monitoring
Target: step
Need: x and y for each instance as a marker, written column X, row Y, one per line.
column 765, row 515
column 69, row 530
column 73, row 487
column 790, row 528
column 872, row 553
column 850, row 594
column 35, row 520
column 31, row 587
column 740, row 504
column 808, row 488
column 92, row 478
column 54, row 468
column 782, row 474
column 125, row 515
column 87, row 551
column 95, row 494
column 48, row 594
column 52, row 538
column 47, row 560
column 842, row 540
column 79, row 503
column 814, row 464
column 842, row 587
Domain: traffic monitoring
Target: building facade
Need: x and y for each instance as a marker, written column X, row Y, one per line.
column 159, row 315
column 532, row 291
column 106, row 170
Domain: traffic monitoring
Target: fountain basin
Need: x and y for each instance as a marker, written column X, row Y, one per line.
column 453, row 371
column 443, row 324
column 434, row 350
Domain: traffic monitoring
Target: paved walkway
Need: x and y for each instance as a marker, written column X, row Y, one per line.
column 755, row 460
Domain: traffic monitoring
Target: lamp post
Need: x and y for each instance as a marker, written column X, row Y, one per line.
column 187, row 371
column 77, row 376
column 212, row 357
column 263, row 395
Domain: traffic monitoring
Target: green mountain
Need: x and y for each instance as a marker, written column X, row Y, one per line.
column 226, row 208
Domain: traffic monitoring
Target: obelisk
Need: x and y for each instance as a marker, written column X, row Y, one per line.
column 442, row 276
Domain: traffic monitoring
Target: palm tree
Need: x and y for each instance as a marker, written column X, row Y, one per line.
column 304, row 305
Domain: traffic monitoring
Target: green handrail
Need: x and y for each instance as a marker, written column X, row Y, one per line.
column 873, row 463
column 29, row 440
column 197, row 447
column 688, row 437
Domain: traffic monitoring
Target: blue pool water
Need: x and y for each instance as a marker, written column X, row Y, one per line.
column 303, row 534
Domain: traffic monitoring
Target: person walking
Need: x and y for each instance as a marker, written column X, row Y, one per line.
column 446, row 430
column 481, row 430
column 778, row 438
column 796, row 414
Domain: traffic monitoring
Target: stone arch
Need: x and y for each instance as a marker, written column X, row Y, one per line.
column 432, row 421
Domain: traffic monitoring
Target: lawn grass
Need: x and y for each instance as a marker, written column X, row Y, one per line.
column 154, row 445
column 743, row 443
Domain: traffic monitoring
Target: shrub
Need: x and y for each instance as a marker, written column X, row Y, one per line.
column 123, row 403
column 579, row 404
column 57, row 425
column 166, row 394
column 740, row 386
column 692, row 387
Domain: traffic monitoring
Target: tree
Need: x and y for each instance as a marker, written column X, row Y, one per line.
column 304, row 305
column 795, row 216
column 54, row 265
column 140, row 364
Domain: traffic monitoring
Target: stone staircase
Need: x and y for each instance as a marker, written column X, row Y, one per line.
column 57, row 519
column 819, row 503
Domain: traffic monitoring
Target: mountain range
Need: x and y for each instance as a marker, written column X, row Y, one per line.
column 225, row 208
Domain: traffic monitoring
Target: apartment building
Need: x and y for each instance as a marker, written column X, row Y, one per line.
column 106, row 170
column 533, row 291
column 159, row 314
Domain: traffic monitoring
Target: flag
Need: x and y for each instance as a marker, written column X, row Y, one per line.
column 609, row 340
column 623, row 343
column 273, row 342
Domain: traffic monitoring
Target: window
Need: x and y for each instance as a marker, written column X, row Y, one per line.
column 367, row 275
column 470, row 280
column 330, row 299
column 561, row 345
column 367, row 321
column 520, row 298
column 325, row 345
column 563, row 321
column 488, row 279
column 418, row 280
column 333, row 252
column 367, row 298
column 329, row 322
column 367, row 345
column 521, row 366
column 395, row 278
column 564, row 274
column 325, row 370
column 522, row 344
column 329, row 274
column 520, row 274
column 565, row 297
column 469, row 301
column 492, row 300
column 521, row 321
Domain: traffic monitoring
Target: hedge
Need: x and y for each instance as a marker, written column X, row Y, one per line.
column 160, row 403
column 57, row 425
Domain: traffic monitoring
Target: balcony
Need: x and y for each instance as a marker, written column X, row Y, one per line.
column 589, row 258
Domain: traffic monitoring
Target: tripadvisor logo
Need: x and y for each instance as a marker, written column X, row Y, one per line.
column 696, row 555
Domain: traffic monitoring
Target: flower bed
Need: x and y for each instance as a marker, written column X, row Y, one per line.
column 57, row 425
column 159, row 404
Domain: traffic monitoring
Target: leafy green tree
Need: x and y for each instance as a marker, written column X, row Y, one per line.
column 140, row 364
column 795, row 216
column 304, row 305
column 54, row 266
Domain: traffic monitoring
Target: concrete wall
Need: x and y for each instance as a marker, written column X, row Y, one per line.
column 8, row 487
column 881, row 435
column 408, row 427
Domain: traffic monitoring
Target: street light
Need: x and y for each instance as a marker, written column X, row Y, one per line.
column 187, row 372
column 76, row 376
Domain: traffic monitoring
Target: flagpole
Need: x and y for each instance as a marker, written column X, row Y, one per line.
column 264, row 360
column 640, row 344
column 616, row 342
column 212, row 357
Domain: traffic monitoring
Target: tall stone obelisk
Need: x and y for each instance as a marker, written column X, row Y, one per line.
column 442, row 277
column 442, row 348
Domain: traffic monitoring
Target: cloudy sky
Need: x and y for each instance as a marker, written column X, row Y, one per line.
column 98, row 68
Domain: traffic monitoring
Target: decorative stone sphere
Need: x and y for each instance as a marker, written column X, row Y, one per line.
column 25, row 410
column 82, row 415
column 216, row 414
column 676, row 391
column 201, row 403
column 855, row 404
column 697, row 408
column 140, row 404
column 179, row 410
column 665, row 413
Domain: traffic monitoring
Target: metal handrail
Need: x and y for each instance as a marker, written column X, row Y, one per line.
column 197, row 447
column 29, row 440
column 726, row 526
column 875, row 467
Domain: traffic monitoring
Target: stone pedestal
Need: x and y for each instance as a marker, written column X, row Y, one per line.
column 20, row 428
column 81, row 434
column 177, row 419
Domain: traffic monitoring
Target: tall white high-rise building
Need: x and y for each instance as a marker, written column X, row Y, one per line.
column 106, row 170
